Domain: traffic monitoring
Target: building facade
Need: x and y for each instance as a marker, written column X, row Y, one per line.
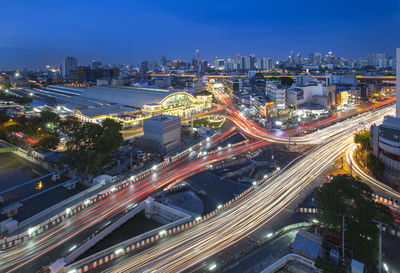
column 163, row 129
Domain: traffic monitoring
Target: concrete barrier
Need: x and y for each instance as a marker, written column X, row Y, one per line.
column 289, row 258
column 96, row 238
column 128, row 245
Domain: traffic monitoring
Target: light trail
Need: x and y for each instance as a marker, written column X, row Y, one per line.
column 367, row 178
column 187, row 249
column 279, row 192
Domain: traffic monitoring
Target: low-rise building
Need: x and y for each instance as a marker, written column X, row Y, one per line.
column 313, row 93
column 163, row 129
column 276, row 93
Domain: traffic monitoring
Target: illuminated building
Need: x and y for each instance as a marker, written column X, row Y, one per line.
column 148, row 102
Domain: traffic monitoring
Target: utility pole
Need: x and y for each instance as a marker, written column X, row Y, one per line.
column 191, row 124
column 380, row 247
column 343, row 238
column 380, row 243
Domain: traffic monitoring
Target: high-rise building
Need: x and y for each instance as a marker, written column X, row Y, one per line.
column 398, row 82
column 270, row 64
column 163, row 61
column 311, row 58
column 96, row 64
column 298, row 59
column 291, row 57
column 203, row 66
column 69, row 65
column 197, row 56
column 84, row 74
column 252, row 62
column 377, row 60
column 237, row 58
column 245, row 63
column 318, row 58
column 220, row 64
column 144, row 66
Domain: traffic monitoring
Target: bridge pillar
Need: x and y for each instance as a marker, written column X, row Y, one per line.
column 148, row 207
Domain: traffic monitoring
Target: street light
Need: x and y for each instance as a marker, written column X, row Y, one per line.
column 212, row 267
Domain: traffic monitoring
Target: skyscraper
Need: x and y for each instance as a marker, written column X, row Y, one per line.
column 298, row 58
column 252, row 61
column 69, row 64
column 163, row 60
column 291, row 57
column 198, row 61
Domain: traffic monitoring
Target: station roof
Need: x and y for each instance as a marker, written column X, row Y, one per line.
column 131, row 96
column 105, row 110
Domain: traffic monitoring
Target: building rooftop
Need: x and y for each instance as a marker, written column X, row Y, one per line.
column 105, row 110
column 163, row 118
column 307, row 244
column 132, row 96
column 391, row 122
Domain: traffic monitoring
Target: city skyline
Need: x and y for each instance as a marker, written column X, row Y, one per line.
column 129, row 32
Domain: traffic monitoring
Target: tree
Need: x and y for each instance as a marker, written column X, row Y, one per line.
column 111, row 138
column 3, row 117
column 49, row 117
column 47, row 142
column 346, row 195
column 5, row 85
column 90, row 144
column 363, row 138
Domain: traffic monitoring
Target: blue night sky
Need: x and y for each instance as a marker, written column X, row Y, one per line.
column 35, row 33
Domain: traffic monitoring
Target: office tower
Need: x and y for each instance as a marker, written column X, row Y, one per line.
column 69, row 64
column 298, row 59
column 377, row 60
column 163, row 61
column 310, row 58
column 318, row 58
column 220, row 64
column 245, row 63
column 252, row 62
column 96, row 64
column 291, row 57
column 144, row 67
column 197, row 56
column 270, row 63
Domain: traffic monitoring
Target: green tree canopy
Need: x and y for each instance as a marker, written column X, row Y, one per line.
column 363, row 138
column 346, row 195
column 47, row 142
column 90, row 144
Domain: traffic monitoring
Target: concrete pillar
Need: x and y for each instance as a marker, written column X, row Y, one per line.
column 148, row 207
